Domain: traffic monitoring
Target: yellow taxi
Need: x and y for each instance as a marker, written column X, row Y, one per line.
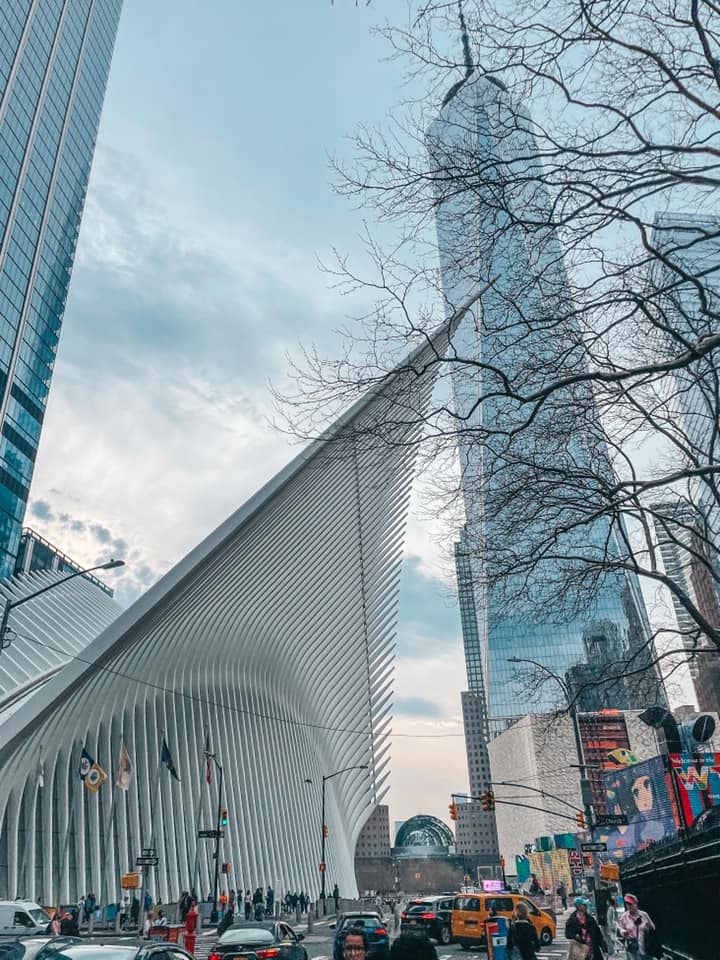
column 471, row 910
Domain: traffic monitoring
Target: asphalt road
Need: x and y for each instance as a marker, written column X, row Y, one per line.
column 319, row 945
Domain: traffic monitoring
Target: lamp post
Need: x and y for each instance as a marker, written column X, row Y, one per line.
column 326, row 777
column 218, row 828
column 11, row 605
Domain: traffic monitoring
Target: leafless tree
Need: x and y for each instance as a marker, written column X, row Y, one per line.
column 570, row 164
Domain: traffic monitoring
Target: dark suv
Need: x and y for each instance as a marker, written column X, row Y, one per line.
column 431, row 917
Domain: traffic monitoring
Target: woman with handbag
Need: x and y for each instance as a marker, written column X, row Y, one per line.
column 638, row 931
column 584, row 934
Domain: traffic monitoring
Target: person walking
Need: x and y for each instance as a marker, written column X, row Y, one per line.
column 535, row 889
column 636, row 930
column 582, row 928
column 231, row 901
column 562, row 893
column 611, row 930
column 522, row 936
column 336, row 897
column 270, row 900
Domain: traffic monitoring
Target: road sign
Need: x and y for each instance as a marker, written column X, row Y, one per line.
column 148, row 852
column 609, row 871
column 594, row 847
column 611, row 820
column 130, row 881
column 211, row 834
column 146, row 862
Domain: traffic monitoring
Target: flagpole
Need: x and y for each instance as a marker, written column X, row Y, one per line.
column 110, row 825
column 152, row 844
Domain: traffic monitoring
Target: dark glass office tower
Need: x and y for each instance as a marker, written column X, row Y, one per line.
column 54, row 62
column 580, row 628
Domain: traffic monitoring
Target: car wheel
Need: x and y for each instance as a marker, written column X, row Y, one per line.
column 445, row 937
column 546, row 937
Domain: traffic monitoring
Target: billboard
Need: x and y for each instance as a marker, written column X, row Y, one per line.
column 697, row 782
column 643, row 793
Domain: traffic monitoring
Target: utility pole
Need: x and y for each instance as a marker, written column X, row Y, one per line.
column 214, row 916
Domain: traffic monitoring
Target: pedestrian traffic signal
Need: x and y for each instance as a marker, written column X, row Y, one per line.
column 226, row 868
column 326, row 832
column 453, row 810
column 580, row 818
column 487, row 800
column 223, row 818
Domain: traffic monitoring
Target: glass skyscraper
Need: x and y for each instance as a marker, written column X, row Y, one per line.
column 576, row 623
column 54, row 62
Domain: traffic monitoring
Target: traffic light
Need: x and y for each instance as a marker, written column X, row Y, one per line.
column 226, row 868
column 326, row 832
column 223, row 818
column 487, row 800
column 453, row 810
column 580, row 818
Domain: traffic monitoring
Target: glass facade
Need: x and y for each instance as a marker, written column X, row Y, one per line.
column 54, row 61
column 559, row 611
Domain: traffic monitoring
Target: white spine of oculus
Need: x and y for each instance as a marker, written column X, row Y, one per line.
column 274, row 637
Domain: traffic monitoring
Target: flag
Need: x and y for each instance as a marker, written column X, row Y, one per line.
column 124, row 770
column 91, row 773
column 168, row 760
column 208, row 759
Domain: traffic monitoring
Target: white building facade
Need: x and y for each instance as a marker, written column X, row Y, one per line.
column 271, row 642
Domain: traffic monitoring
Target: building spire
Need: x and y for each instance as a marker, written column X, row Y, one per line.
column 467, row 55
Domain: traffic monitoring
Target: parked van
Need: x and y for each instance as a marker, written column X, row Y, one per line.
column 21, row 918
column 472, row 910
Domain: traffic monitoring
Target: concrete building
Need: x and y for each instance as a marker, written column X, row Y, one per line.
column 538, row 754
column 270, row 645
column 37, row 553
column 54, row 62
column 374, row 839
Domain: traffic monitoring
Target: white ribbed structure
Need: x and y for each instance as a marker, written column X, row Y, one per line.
column 276, row 635
column 47, row 629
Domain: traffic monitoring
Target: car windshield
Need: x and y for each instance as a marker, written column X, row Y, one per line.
column 39, row 916
column 247, row 935
column 369, row 922
column 421, row 908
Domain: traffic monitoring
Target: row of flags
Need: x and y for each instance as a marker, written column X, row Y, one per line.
column 93, row 776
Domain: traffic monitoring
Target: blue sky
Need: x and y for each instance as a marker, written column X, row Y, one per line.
column 208, row 208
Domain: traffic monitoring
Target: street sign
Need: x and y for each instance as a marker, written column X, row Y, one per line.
column 609, row 871
column 211, row 834
column 594, row 847
column 611, row 820
column 148, row 852
column 146, row 862
column 130, row 881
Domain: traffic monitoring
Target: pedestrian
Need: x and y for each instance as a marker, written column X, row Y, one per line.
column 247, row 903
column 124, row 910
column 412, row 948
column 231, row 901
column 611, row 932
column 637, row 931
column 562, row 893
column 226, row 922
column 336, row 897
column 270, row 900
column 161, row 920
column 522, row 936
column 583, row 929
column 223, row 903
column 135, row 911
column 54, row 927
column 355, row 944
column 535, row 889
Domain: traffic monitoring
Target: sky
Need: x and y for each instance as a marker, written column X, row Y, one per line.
column 209, row 206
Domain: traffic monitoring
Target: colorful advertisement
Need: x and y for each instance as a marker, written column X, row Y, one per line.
column 550, row 867
column 697, row 780
column 641, row 792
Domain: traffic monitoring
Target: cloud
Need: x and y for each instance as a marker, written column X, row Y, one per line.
column 418, row 707
column 41, row 510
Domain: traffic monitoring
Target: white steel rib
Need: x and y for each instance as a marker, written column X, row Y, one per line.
column 275, row 636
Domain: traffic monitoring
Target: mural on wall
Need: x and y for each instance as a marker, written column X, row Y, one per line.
column 642, row 792
column 697, row 780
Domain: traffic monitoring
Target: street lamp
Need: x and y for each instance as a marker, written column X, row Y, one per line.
column 572, row 707
column 326, row 777
column 108, row 565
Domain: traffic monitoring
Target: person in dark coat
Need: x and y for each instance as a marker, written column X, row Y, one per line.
column 584, row 928
column 522, row 935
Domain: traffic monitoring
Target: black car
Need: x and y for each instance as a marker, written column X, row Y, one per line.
column 99, row 949
column 259, row 941
column 431, row 917
column 375, row 932
column 29, row 947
